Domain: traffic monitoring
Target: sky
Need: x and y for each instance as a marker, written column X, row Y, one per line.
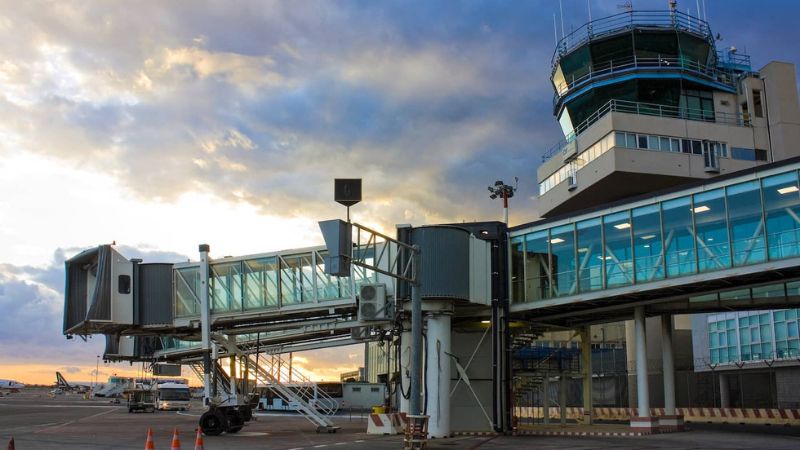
column 163, row 125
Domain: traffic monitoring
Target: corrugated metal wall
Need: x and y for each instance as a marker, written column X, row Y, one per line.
column 445, row 261
column 155, row 294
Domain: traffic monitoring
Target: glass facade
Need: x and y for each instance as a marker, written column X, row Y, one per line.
column 753, row 336
column 263, row 283
column 741, row 224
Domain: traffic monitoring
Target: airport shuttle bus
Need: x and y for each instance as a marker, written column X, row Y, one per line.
column 173, row 396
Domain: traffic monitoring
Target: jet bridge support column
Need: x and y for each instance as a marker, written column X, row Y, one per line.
column 437, row 374
column 643, row 421
column 586, row 369
column 205, row 322
column 405, row 369
column 670, row 420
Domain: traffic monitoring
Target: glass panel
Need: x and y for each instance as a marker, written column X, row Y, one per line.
column 779, row 316
column 261, row 283
column 647, row 247
column 517, row 269
column 225, row 286
column 296, row 284
column 537, row 268
column 781, row 331
column 746, row 227
column 562, row 249
column 329, row 287
column 745, row 336
column 590, row 255
column 678, row 237
column 618, row 251
column 766, row 333
column 791, row 329
column 187, row 287
column 782, row 205
column 713, row 251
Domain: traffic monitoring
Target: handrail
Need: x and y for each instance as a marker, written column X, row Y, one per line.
column 646, row 109
column 629, row 20
column 634, row 63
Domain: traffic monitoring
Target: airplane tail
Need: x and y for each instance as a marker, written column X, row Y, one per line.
column 61, row 381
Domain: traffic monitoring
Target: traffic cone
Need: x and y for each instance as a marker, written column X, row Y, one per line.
column 11, row 444
column 149, row 445
column 176, row 441
column 198, row 442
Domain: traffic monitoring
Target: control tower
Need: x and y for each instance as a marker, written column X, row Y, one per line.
column 647, row 101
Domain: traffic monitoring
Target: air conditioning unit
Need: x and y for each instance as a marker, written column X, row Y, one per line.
column 572, row 182
column 372, row 303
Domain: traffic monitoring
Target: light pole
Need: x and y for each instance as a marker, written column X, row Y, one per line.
column 96, row 370
column 504, row 191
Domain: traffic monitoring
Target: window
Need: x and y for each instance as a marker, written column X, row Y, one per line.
column 374, row 389
column 782, row 204
column 678, row 237
column 562, row 260
column 356, row 389
column 761, row 155
column 537, row 266
column 711, row 229
column 647, row 243
column 744, row 154
column 618, row 252
column 590, row 255
column 124, row 284
column 746, row 228
column 518, row 269
column 642, row 141
column 758, row 109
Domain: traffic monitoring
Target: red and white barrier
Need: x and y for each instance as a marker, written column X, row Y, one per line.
column 385, row 424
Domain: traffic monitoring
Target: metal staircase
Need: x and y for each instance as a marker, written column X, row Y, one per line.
column 223, row 386
column 312, row 403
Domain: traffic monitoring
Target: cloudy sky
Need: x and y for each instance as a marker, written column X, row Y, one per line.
column 162, row 125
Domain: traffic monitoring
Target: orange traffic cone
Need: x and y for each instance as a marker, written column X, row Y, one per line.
column 176, row 441
column 198, row 442
column 11, row 444
column 149, row 445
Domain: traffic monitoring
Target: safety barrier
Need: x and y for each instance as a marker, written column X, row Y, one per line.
column 385, row 424
column 771, row 416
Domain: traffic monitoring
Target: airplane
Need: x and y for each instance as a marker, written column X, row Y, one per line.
column 10, row 386
column 63, row 386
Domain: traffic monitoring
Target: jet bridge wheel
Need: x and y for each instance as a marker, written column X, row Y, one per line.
column 213, row 422
column 235, row 420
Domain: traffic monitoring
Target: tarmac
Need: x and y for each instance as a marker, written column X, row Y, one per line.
column 70, row 422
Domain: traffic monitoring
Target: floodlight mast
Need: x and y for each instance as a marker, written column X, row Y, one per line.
column 504, row 191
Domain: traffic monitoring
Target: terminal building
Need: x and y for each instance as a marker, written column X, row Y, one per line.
column 664, row 272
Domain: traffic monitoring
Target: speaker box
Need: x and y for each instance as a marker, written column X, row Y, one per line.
column 347, row 191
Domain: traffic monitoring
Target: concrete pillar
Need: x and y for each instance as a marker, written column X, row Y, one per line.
column 668, row 364
column 562, row 398
column 405, row 368
column 437, row 374
column 643, row 421
column 546, row 399
column 586, row 372
column 724, row 392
